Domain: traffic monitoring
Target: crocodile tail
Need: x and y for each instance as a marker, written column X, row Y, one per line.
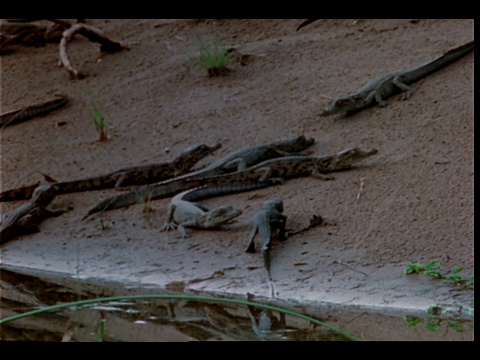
column 440, row 62
column 116, row 202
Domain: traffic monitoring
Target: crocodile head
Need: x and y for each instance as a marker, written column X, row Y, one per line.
column 219, row 216
column 345, row 104
column 345, row 159
column 44, row 194
column 274, row 204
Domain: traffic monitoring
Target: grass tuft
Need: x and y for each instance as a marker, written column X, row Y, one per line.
column 213, row 58
column 432, row 268
column 98, row 118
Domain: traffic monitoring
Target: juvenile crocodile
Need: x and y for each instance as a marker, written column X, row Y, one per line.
column 240, row 159
column 381, row 88
column 135, row 175
column 18, row 31
column 267, row 173
column 186, row 212
column 17, row 116
column 24, row 219
column 183, row 213
column 235, row 161
column 288, row 167
column 265, row 223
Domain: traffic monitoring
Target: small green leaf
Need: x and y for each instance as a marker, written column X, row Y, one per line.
column 432, row 325
column 414, row 268
column 432, row 264
column 413, row 321
column 457, row 326
column 455, row 279
column 470, row 282
column 433, row 273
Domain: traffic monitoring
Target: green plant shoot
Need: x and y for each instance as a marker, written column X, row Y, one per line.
column 98, row 118
column 213, row 58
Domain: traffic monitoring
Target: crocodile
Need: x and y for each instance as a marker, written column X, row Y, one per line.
column 129, row 176
column 184, row 213
column 266, row 173
column 21, row 31
column 265, row 223
column 25, row 218
column 269, row 222
column 277, row 170
column 29, row 112
column 232, row 163
column 381, row 88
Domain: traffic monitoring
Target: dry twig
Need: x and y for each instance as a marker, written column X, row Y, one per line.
column 362, row 183
column 91, row 33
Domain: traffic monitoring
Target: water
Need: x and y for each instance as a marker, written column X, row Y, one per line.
column 184, row 319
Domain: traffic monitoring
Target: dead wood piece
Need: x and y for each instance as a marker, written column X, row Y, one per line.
column 29, row 112
column 91, row 33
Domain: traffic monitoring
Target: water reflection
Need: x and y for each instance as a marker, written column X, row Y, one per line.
column 189, row 320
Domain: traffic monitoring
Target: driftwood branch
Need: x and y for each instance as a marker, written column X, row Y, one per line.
column 29, row 112
column 91, row 33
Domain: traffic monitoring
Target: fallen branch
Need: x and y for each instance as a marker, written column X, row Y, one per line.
column 29, row 112
column 91, row 33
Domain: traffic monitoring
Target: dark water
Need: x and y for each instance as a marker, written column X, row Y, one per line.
column 148, row 319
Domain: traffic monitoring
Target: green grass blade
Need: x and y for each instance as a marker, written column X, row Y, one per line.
column 179, row 297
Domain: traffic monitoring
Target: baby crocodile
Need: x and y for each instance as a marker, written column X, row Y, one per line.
column 288, row 167
column 266, row 222
column 183, row 213
column 15, row 32
column 24, row 219
column 237, row 160
column 267, row 172
column 135, row 175
column 240, row 159
column 186, row 212
column 379, row 89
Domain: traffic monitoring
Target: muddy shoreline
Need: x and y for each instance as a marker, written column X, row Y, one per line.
column 416, row 195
